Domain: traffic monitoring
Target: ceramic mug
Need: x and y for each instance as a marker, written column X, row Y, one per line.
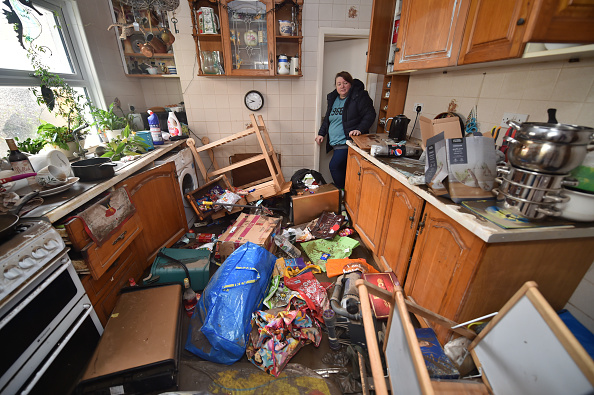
column 152, row 70
column 172, row 69
column 286, row 28
column 51, row 176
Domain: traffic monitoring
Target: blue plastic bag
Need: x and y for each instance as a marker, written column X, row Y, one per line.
column 222, row 321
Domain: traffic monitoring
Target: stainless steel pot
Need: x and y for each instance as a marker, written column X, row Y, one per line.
column 545, row 156
column 535, row 180
column 527, row 208
column 553, row 132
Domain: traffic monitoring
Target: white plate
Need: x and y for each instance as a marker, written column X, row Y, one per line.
column 52, row 191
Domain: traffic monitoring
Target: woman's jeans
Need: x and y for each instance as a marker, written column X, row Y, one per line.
column 338, row 165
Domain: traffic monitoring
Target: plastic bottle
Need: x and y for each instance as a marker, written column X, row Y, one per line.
column 189, row 298
column 20, row 162
column 173, row 125
column 155, row 128
column 286, row 246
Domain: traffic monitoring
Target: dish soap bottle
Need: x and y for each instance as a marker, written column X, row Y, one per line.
column 189, row 298
column 173, row 125
column 155, row 128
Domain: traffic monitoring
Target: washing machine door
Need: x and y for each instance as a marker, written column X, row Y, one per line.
column 188, row 181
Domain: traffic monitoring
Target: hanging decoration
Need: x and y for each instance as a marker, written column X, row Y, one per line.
column 163, row 5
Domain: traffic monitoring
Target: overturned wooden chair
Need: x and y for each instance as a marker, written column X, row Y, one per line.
column 270, row 186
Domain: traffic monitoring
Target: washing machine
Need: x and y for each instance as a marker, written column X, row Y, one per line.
column 186, row 176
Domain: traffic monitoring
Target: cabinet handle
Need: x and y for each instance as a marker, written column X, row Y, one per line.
column 412, row 218
column 120, row 237
column 520, row 21
column 359, row 174
column 396, row 49
column 422, row 224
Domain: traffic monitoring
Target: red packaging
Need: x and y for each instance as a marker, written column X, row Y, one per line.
column 205, row 237
column 395, row 35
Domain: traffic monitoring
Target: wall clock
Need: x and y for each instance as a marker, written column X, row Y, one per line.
column 254, row 100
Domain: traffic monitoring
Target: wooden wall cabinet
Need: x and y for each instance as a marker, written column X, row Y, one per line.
column 249, row 39
column 443, row 33
column 443, row 266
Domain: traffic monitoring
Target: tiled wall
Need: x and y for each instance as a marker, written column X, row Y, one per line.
column 527, row 89
column 215, row 106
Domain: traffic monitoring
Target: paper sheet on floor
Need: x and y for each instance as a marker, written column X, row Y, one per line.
column 319, row 251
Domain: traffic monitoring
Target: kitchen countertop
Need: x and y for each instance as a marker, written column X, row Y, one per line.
column 57, row 206
column 485, row 230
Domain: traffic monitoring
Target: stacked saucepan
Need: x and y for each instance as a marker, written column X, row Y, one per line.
column 540, row 157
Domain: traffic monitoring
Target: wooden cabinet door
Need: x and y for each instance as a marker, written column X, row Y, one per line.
column 442, row 266
column 430, row 33
column 352, row 184
column 565, row 21
column 372, row 204
column 378, row 47
column 494, row 30
column 241, row 19
column 402, row 216
column 157, row 197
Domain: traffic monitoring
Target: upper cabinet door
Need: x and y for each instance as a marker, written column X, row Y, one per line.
column 246, row 37
column 430, row 33
column 378, row 47
column 569, row 21
column 494, row 30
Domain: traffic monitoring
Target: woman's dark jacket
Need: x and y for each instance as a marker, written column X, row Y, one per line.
column 358, row 112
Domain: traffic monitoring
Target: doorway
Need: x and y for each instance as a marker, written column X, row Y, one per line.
column 340, row 49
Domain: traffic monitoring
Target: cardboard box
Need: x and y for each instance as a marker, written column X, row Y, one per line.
column 450, row 127
column 257, row 229
column 309, row 206
column 463, row 168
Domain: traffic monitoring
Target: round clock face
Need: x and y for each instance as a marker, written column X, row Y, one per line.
column 254, row 100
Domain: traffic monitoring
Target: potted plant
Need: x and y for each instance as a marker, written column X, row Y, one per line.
column 31, row 145
column 108, row 121
column 127, row 143
column 62, row 100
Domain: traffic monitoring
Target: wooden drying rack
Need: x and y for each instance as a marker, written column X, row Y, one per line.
column 263, row 188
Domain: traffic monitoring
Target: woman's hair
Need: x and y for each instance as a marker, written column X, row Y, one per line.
column 345, row 76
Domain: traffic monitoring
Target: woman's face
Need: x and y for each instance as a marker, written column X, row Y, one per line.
column 342, row 87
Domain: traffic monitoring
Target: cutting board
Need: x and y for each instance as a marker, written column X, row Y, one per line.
column 365, row 141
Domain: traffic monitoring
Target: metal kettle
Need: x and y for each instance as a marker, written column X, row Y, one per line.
column 398, row 128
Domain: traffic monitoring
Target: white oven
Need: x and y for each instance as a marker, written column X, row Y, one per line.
column 48, row 326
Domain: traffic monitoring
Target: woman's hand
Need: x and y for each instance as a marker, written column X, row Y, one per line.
column 319, row 139
column 354, row 133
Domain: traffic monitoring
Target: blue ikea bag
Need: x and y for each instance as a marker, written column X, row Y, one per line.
column 222, row 321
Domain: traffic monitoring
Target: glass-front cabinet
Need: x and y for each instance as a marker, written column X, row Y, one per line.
column 255, row 38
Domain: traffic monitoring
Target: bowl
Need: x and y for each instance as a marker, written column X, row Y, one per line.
column 580, row 206
column 545, row 156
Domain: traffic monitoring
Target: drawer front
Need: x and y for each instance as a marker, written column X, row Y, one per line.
column 100, row 258
column 97, row 288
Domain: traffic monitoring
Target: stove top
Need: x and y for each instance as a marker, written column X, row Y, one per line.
column 35, row 244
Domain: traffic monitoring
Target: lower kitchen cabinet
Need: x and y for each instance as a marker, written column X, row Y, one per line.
column 401, row 219
column 373, row 194
column 443, row 261
column 445, row 267
column 352, row 184
column 159, row 207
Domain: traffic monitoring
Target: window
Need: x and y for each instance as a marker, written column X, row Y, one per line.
column 54, row 26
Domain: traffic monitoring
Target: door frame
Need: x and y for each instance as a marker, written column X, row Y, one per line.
column 323, row 33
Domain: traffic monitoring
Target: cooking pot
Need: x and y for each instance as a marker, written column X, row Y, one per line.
column 545, row 156
column 9, row 220
column 398, row 128
column 580, row 206
column 553, row 132
column 94, row 169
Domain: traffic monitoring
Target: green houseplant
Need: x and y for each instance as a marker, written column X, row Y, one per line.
column 127, row 143
column 108, row 119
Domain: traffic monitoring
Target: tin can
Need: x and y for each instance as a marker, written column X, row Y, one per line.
column 205, row 237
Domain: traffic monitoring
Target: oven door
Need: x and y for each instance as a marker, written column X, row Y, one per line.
column 36, row 320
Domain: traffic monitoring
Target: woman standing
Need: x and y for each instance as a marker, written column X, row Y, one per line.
column 350, row 113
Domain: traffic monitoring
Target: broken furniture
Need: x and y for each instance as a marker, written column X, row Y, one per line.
column 264, row 188
column 525, row 349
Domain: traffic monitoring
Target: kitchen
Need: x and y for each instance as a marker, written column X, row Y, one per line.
column 215, row 107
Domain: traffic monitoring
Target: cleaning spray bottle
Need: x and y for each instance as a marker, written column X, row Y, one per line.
column 155, row 128
column 173, row 125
